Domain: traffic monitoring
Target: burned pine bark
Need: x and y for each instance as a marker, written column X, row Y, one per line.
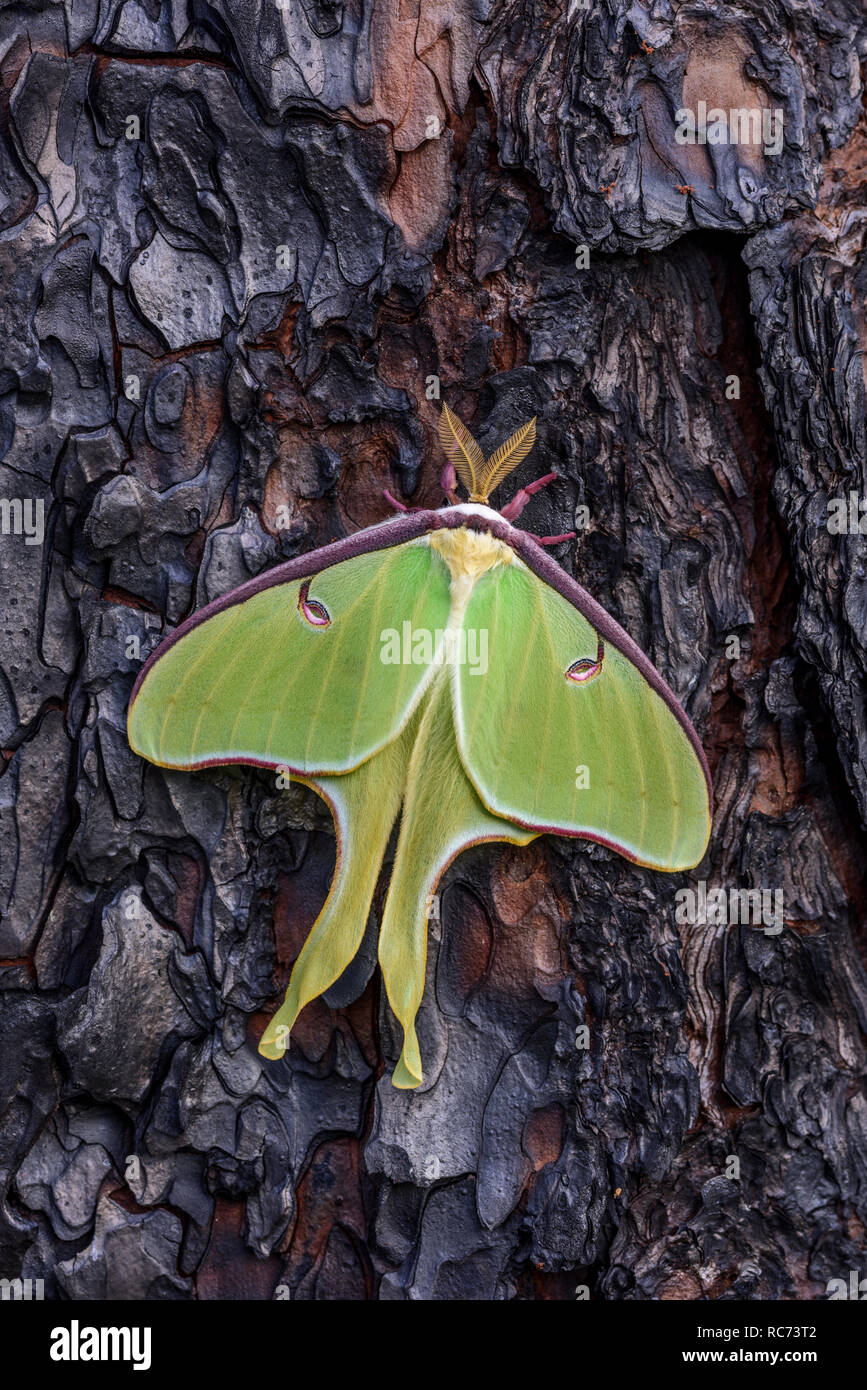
column 247, row 249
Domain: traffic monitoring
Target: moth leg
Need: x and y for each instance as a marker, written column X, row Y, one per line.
column 442, row 814
column 365, row 804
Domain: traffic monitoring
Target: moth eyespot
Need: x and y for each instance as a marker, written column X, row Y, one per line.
column 311, row 610
column 584, row 669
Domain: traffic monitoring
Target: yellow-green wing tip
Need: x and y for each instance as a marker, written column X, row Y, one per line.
column 688, row 858
column 139, row 745
column 140, row 732
column 407, row 1074
column 404, row 1078
column 693, row 834
column 146, row 747
column 273, row 1041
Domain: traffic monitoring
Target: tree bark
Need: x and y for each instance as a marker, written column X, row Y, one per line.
column 247, row 249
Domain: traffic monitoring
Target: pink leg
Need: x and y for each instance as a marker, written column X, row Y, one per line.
column 513, row 509
column 554, row 540
column 398, row 506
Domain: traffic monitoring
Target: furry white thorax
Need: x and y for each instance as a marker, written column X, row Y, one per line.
column 474, row 509
column 469, row 553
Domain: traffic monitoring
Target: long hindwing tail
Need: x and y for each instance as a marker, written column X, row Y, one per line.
column 441, row 815
column 365, row 805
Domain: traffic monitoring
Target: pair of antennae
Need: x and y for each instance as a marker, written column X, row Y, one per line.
column 480, row 475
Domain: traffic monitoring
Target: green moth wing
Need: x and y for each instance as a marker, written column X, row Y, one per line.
column 421, row 775
column 292, row 674
column 563, row 732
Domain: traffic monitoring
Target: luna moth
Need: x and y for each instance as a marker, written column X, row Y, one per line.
column 442, row 669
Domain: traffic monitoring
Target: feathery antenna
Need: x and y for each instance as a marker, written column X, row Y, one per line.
column 461, row 449
column 480, row 475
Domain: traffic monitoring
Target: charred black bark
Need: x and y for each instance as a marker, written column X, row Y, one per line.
column 243, row 249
